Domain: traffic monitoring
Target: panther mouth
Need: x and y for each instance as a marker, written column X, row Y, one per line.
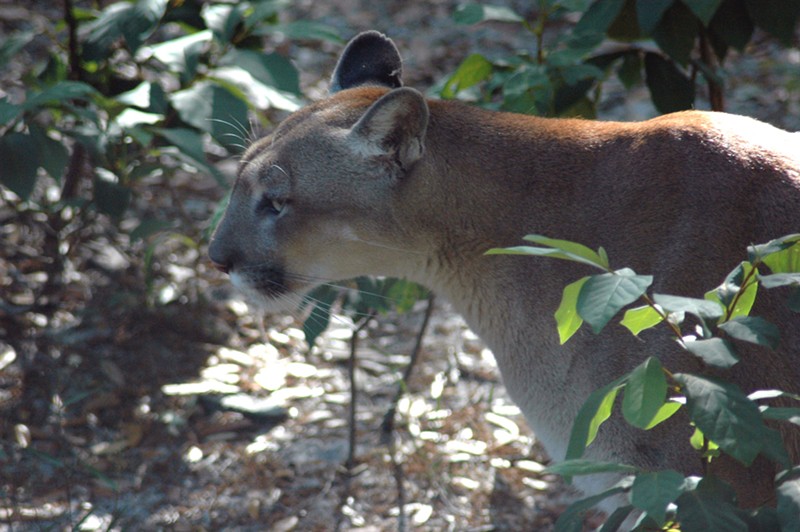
column 267, row 288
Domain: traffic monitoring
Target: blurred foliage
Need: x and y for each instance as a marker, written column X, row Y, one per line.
column 142, row 83
column 670, row 44
column 140, row 91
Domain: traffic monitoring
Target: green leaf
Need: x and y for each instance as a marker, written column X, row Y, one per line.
column 676, row 33
column 753, row 329
column 699, row 442
column 254, row 92
column 574, row 5
column 217, row 215
column 404, row 294
column 571, row 248
column 53, row 156
column 625, row 27
column 182, row 54
column 728, row 291
column 567, row 317
column 302, row 30
column 224, row 20
column 709, row 507
column 133, row 21
column 649, row 13
column 474, row 69
column 20, row 155
column 130, row 118
column 569, row 253
column 110, row 197
column 771, row 394
column 190, row 143
column 578, row 467
column 273, row 70
column 645, row 393
column 592, row 414
column 780, row 279
column 104, row 32
column 716, row 352
column 147, row 95
column 599, row 17
column 732, row 24
column 630, row 71
column 774, row 449
column 8, row 111
column 652, row 492
column 699, row 307
column 789, row 505
column 526, row 79
column 781, row 413
column 602, row 296
column 778, row 17
column 761, row 251
column 59, row 94
column 320, row 316
column 670, row 89
column 725, row 415
column 149, row 227
column 763, row 519
column 264, row 12
column 571, row 520
column 568, row 104
column 615, row 521
column 146, row 16
column 577, row 46
column 214, row 109
column 785, row 261
column 372, row 296
column 664, row 413
column 703, row 9
column 639, row 319
column 12, row 44
column 475, row 13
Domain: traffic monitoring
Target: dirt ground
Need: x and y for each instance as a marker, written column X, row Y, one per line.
column 194, row 413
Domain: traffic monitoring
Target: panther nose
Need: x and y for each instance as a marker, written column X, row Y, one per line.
column 220, row 255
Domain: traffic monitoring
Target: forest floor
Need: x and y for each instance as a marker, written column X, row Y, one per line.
column 144, row 396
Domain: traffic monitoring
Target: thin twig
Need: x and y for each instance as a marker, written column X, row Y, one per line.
column 351, row 371
column 351, row 439
column 387, row 426
column 75, row 72
column 401, row 490
column 716, row 94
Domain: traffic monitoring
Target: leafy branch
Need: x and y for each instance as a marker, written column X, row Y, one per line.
column 673, row 46
column 725, row 419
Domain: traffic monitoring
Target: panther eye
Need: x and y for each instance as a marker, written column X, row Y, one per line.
column 271, row 206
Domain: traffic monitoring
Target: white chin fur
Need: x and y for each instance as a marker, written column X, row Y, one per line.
column 285, row 303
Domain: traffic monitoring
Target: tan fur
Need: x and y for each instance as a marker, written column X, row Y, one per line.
column 679, row 197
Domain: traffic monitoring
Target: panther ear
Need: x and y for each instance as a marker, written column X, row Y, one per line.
column 370, row 58
column 393, row 126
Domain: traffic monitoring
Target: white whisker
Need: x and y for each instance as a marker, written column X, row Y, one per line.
column 242, row 133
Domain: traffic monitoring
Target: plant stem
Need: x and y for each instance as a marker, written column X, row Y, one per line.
column 742, row 289
column 75, row 71
column 675, row 329
column 716, row 96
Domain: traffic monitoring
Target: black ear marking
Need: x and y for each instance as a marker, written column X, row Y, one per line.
column 370, row 58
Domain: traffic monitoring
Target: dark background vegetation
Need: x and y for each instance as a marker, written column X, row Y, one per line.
column 138, row 391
